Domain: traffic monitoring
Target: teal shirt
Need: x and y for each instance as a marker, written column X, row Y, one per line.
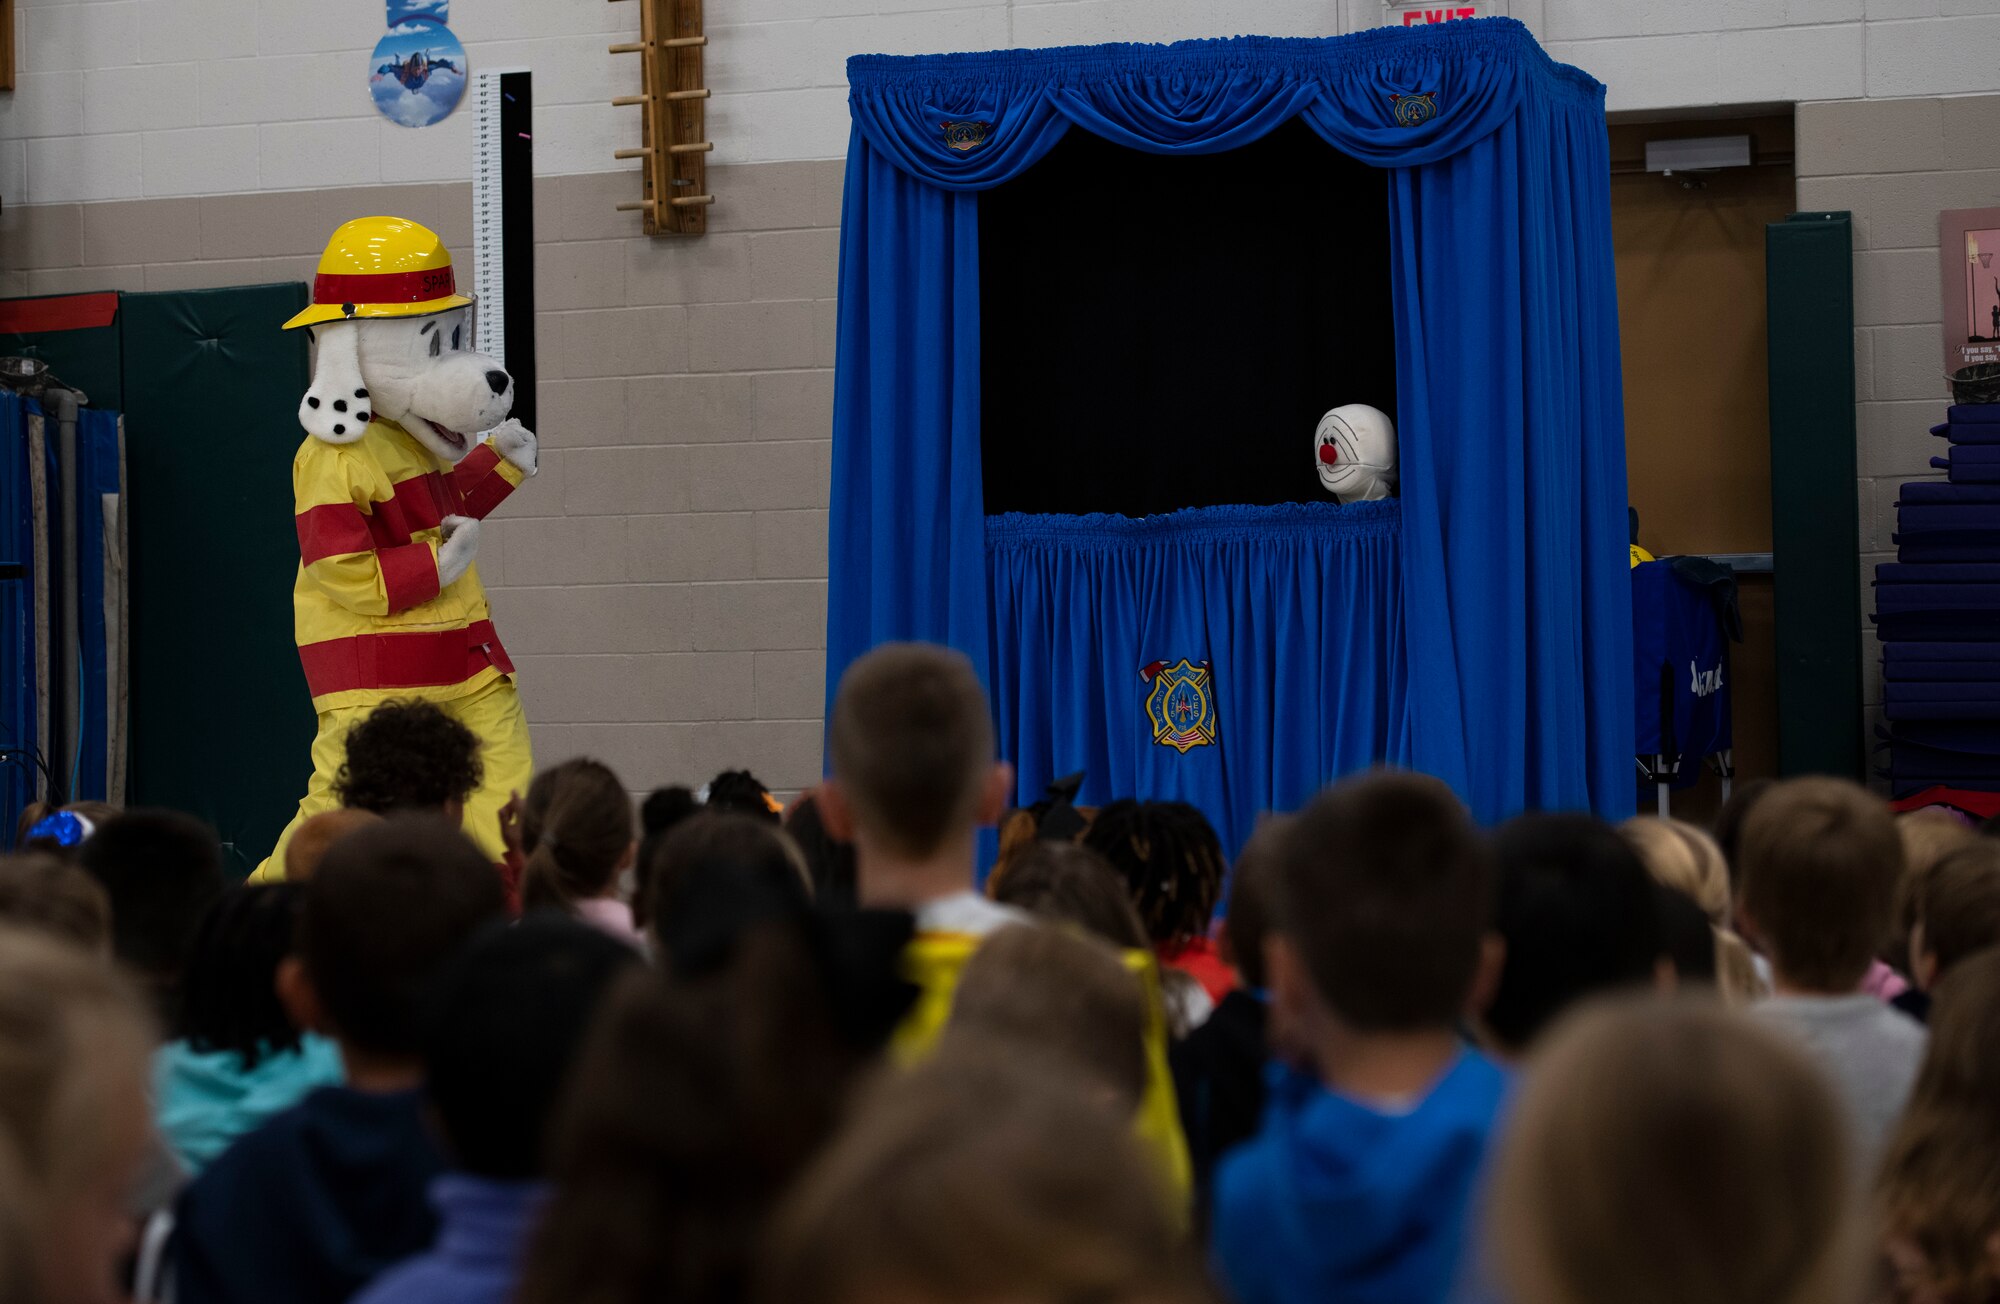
column 203, row 1101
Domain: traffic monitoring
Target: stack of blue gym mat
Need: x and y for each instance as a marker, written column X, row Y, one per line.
column 1937, row 609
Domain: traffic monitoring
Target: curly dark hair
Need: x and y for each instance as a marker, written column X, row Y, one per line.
column 1171, row 860
column 408, row 755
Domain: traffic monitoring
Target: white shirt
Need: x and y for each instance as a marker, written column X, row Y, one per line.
column 968, row 913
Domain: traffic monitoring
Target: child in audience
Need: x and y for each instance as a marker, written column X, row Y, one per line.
column 1356, row 1186
column 1938, row 1194
column 1061, row 880
column 74, row 1036
column 60, row 830
column 700, row 1093
column 1928, row 836
column 1727, row 827
column 312, row 1205
column 829, row 860
column 1957, row 911
column 576, row 828
column 913, row 778
column 978, row 1178
column 46, row 893
column 1682, row 857
column 1219, row 1067
column 1821, row 859
column 725, row 845
column 160, row 871
column 309, row 844
column 1173, row 868
column 740, row 792
column 1667, row 1153
column 659, row 814
column 1060, row 995
column 236, row 1057
column 405, row 757
column 508, row 1018
column 1577, row 915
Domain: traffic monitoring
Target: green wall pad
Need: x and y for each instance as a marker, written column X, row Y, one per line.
column 222, row 725
column 1815, row 519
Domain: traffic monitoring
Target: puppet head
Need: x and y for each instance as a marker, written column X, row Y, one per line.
column 1354, row 451
column 393, row 339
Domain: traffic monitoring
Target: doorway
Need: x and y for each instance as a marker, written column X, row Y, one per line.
column 1691, row 316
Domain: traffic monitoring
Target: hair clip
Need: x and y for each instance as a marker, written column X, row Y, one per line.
column 65, row 828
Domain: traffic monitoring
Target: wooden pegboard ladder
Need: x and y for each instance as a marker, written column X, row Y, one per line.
column 673, row 118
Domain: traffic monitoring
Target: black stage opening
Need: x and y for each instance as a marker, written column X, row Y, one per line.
column 1161, row 332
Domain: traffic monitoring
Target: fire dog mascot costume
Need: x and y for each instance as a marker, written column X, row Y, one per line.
column 390, row 486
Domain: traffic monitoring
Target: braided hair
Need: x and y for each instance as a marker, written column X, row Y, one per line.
column 1171, row 861
column 576, row 826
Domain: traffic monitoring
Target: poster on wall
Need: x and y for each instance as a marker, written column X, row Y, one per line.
column 1969, row 278
column 417, row 74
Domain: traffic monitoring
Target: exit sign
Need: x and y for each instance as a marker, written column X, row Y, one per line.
column 1418, row 15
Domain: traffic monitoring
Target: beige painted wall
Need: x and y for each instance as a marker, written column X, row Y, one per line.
column 1894, row 164
column 662, row 583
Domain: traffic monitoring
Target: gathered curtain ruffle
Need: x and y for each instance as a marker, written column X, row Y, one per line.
column 1395, row 97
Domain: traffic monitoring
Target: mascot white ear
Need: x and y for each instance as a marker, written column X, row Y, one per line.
column 1354, row 451
column 335, row 407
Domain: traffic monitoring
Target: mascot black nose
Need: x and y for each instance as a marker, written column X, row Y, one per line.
column 497, row 381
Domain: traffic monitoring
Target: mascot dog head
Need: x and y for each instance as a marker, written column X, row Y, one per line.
column 394, row 341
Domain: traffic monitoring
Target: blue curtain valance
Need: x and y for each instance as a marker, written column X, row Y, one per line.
column 1393, row 98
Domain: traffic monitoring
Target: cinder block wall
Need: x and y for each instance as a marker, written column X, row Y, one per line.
column 662, row 583
column 1895, row 164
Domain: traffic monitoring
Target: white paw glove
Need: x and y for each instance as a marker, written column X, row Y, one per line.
column 517, row 444
column 461, row 541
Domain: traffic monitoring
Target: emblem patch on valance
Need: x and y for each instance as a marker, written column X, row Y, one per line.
column 1181, row 704
column 1414, row 110
column 965, row 136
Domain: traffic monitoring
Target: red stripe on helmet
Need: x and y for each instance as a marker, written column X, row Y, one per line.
column 385, row 287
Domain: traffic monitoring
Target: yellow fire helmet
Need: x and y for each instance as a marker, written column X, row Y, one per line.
column 381, row 267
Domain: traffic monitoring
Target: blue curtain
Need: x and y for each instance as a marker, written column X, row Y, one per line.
column 1271, row 599
column 1504, row 599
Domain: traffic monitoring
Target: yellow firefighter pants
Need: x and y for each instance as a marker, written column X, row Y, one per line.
column 493, row 714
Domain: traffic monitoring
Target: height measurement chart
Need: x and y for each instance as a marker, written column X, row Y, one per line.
column 503, row 227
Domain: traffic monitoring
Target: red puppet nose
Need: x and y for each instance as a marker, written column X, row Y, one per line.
column 1329, row 454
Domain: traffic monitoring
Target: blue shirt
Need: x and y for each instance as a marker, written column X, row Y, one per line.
column 203, row 1101
column 1337, row 1200
column 483, row 1231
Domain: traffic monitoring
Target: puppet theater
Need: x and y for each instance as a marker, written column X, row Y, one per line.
column 1092, row 302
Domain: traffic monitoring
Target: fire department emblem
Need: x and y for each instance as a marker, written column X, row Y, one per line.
column 1414, row 110
column 1181, row 704
column 965, row 136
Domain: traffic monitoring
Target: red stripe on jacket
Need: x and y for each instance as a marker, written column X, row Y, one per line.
column 332, row 529
column 418, row 659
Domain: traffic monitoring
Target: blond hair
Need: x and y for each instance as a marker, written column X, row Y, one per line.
column 1928, row 836
column 1939, row 1190
column 1820, row 862
column 1604, row 1191
column 1681, row 856
column 74, row 1038
column 978, row 1178
column 1062, row 993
